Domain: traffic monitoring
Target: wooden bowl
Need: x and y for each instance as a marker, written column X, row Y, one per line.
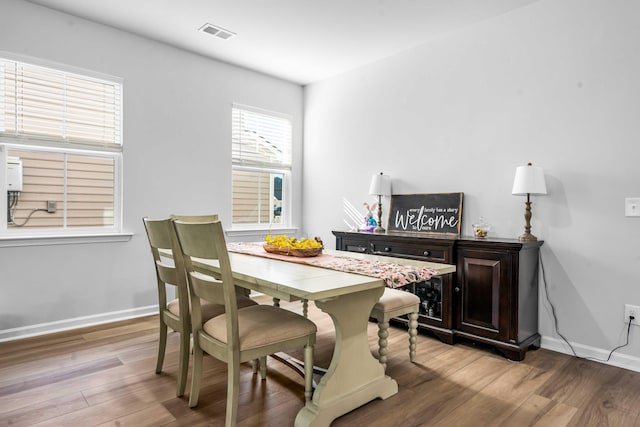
column 299, row 252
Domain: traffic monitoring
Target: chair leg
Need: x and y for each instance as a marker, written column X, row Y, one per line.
column 308, row 372
column 276, row 302
column 413, row 332
column 383, row 334
column 233, row 393
column 195, row 376
column 305, row 308
column 162, row 345
column 185, row 341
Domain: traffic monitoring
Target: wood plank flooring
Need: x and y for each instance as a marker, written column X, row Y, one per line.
column 104, row 376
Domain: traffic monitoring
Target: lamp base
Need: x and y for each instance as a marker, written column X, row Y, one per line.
column 527, row 237
column 379, row 229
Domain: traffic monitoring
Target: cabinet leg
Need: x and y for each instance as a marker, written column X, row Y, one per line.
column 515, row 355
column 535, row 345
column 445, row 338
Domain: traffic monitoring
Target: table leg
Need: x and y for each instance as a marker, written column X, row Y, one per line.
column 354, row 376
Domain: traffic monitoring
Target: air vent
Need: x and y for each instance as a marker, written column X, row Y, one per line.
column 217, row 31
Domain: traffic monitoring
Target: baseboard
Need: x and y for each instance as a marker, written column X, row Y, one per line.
column 620, row 360
column 78, row 322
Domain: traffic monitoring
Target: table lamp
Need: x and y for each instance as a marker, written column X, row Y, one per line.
column 529, row 180
column 380, row 186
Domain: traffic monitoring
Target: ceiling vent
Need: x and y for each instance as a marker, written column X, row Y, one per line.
column 219, row 32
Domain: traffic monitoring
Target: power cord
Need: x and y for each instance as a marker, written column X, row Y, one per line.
column 555, row 321
column 12, row 202
column 618, row 347
column 29, row 217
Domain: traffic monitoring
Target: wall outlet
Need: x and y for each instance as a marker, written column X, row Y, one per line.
column 632, row 206
column 632, row 310
column 52, row 206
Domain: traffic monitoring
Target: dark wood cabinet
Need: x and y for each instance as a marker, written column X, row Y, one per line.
column 496, row 294
column 492, row 298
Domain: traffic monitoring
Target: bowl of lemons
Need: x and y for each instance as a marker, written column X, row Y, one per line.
column 291, row 246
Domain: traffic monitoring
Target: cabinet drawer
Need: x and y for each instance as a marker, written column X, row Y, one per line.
column 355, row 245
column 423, row 252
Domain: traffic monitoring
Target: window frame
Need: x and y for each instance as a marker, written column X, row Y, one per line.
column 54, row 144
column 285, row 170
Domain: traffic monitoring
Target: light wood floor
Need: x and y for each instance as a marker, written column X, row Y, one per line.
column 104, row 376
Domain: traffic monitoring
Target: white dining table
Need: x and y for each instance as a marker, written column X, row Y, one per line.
column 354, row 376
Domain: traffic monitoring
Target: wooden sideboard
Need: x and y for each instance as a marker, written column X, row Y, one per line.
column 492, row 298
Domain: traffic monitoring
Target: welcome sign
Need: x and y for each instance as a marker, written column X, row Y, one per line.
column 439, row 213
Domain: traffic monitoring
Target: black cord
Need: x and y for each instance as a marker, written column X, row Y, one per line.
column 29, row 217
column 553, row 309
column 618, row 347
column 555, row 321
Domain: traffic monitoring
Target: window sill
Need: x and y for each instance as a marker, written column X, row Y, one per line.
column 62, row 239
column 258, row 233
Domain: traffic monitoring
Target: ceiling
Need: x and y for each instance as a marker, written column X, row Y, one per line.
column 302, row 41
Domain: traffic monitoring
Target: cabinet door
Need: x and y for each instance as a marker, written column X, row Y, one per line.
column 482, row 294
column 435, row 297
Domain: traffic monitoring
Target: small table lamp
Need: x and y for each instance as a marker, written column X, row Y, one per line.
column 380, row 186
column 529, row 180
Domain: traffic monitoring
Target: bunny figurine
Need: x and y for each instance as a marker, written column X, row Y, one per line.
column 369, row 220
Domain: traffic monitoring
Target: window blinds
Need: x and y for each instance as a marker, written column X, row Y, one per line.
column 46, row 104
column 260, row 139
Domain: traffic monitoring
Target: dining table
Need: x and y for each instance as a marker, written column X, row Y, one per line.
column 354, row 376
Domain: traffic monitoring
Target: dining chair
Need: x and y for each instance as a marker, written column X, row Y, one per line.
column 394, row 303
column 206, row 218
column 240, row 334
column 242, row 302
column 175, row 313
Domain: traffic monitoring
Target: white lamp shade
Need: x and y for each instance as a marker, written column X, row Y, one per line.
column 529, row 180
column 380, row 185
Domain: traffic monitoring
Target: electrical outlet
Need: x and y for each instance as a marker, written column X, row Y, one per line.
column 632, row 206
column 632, row 310
column 51, row 206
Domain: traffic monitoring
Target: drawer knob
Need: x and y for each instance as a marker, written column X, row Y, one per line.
column 426, row 253
column 387, row 249
column 457, row 289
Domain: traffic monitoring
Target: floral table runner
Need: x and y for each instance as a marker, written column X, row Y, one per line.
column 394, row 275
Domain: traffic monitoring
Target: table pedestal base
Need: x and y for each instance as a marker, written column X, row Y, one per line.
column 354, row 376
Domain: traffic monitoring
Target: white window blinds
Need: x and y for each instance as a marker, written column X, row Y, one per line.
column 45, row 104
column 261, row 139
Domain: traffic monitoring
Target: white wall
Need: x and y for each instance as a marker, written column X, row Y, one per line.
column 177, row 115
column 556, row 84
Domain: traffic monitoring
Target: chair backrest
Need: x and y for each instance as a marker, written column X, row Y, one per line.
column 205, row 240
column 195, row 218
column 162, row 236
column 208, row 218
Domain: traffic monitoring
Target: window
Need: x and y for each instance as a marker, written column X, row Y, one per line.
column 262, row 157
column 61, row 148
